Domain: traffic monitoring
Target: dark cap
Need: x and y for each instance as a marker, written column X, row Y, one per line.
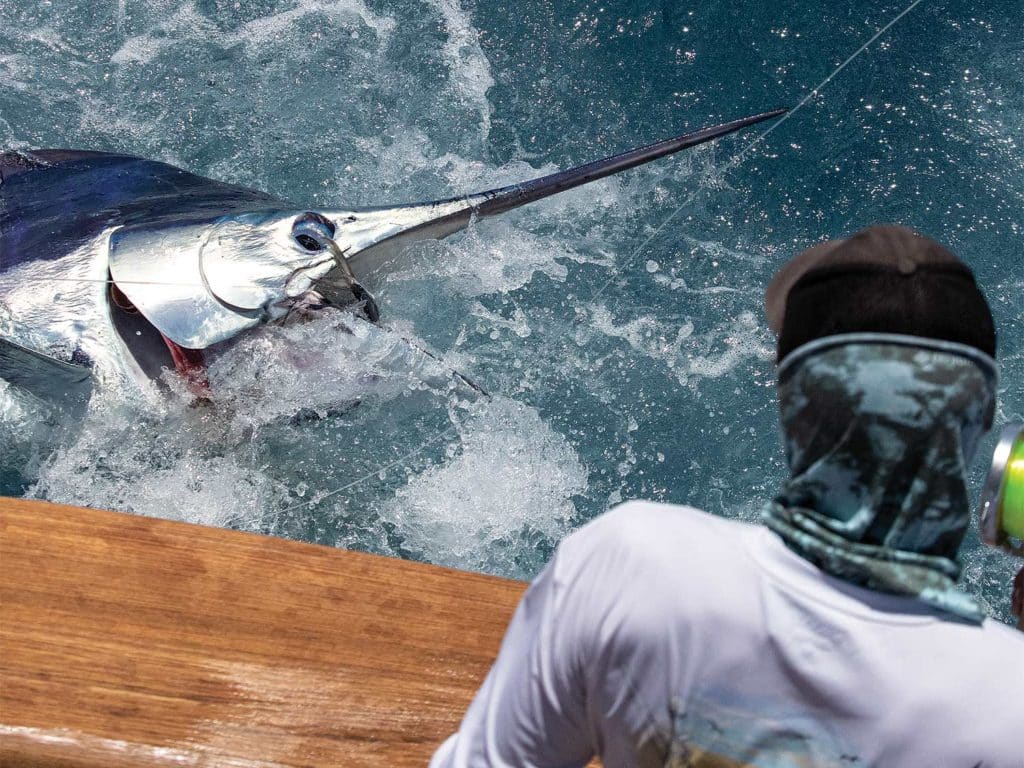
column 884, row 279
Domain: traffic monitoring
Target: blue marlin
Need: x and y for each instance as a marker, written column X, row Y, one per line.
column 113, row 267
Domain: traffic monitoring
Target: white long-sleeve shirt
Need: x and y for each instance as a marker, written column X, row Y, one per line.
column 660, row 635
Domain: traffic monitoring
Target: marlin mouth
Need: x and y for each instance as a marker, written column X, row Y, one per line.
column 191, row 365
column 151, row 350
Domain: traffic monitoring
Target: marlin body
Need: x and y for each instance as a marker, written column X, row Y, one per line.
column 113, row 268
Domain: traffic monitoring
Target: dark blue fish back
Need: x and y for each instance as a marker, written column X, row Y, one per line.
column 52, row 201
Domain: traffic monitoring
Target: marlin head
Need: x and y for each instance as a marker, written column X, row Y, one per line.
column 201, row 282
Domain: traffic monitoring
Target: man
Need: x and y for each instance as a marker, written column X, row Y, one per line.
column 1018, row 598
column 834, row 635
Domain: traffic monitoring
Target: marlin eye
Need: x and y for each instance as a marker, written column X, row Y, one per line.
column 309, row 242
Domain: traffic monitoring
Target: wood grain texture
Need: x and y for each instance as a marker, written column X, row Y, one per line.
column 127, row 640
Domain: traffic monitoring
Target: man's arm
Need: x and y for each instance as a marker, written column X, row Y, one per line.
column 530, row 711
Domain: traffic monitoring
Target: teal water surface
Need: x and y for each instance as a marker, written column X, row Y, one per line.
column 619, row 327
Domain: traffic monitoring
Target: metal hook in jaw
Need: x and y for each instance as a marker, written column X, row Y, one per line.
column 370, row 308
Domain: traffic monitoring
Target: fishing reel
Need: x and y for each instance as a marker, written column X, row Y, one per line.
column 1002, row 498
column 1002, row 505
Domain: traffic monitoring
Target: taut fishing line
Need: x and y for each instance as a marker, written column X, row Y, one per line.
column 743, row 152
column 443, row 434
column 629, row 259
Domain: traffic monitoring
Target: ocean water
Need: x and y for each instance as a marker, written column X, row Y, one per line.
column 618, row 327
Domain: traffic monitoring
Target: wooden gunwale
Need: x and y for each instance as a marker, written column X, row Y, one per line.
column 127, row 640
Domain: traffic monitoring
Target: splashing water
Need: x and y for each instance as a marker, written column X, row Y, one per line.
column 500, row 500
column 625, row 351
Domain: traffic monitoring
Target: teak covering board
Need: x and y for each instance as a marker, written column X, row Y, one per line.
column 127, row 640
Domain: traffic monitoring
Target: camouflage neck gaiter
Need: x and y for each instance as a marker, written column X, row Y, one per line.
column 879, row 430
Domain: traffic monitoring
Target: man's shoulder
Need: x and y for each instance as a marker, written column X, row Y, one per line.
column 1005, row 642
column 644, row 570
column 640, row 518
column 658, row 533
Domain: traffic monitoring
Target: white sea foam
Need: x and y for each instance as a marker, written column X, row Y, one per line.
column 271, row 29
column 470, row 70
column 505, row 488
column 165, row 463
column 689, row 356
column 495, row 257
column 505, row 254
column 198, row 463
column 188, row 23
column 23, row 419
column 185, row 23
column 510, row 484
column 681, row 284
column 15, row 71
column 7, row 136
column 12, row 408
column 217, row 490
column 720, row 251
column 395, row 162
column 518, row 324
column 48, row 37
column 101, row 117
column 334, row 361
